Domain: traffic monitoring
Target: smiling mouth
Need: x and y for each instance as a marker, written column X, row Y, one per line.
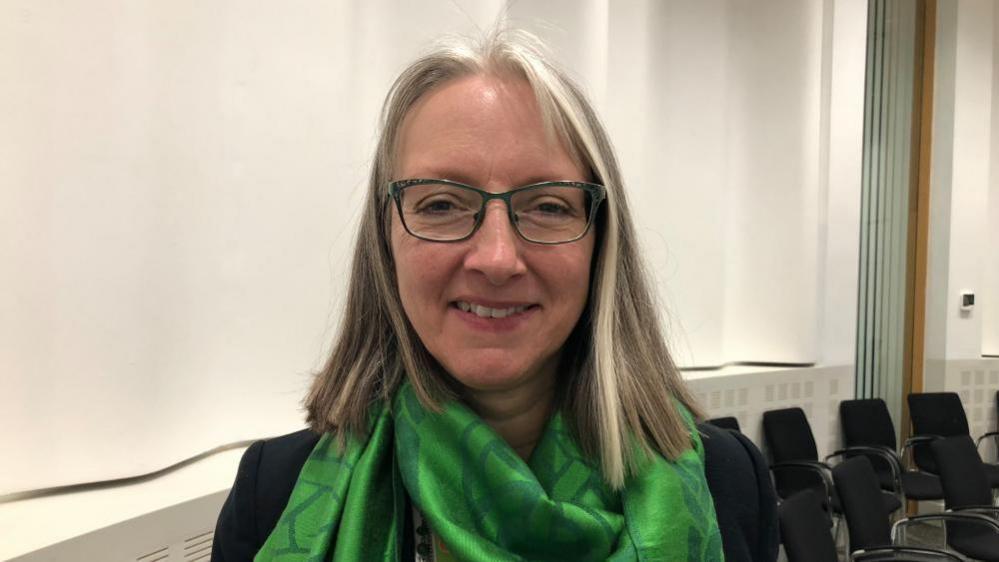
column 486, row 312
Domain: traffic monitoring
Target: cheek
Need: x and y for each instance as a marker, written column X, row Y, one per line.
column 582, row 275
column 418, row 283
column 579, row 289
column 422, row 273
column 567, row 276
column 580, row 264
column 406, row 272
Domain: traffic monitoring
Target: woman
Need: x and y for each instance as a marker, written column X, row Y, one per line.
column 500, row 389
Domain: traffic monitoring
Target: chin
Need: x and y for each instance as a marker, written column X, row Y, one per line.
column 491, row 373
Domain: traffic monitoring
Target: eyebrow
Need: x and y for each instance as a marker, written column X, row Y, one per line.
column 460, row 177
column 449, row 174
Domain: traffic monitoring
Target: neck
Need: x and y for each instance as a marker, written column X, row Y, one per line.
column 517, row 414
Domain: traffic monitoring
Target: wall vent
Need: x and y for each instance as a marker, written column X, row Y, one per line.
column 746, row 396
column 179, row 533
column 198, row 547
column 195, row 548
column 155, row 556
column 975, row 382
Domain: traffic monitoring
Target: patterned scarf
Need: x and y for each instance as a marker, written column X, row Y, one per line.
column 484, row 501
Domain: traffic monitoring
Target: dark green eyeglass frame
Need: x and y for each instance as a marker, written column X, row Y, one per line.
column 596, row 192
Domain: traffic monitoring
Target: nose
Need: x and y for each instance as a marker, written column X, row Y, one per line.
column 495, row 249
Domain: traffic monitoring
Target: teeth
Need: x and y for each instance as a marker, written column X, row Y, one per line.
column 486, row 312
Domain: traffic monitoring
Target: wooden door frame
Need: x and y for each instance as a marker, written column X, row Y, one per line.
column 919, row 209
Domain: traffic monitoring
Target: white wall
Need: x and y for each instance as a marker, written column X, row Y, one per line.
column 774, row 111
column 990, row 288
column 961, row 254
column 179, row 186
column 839, row 202
column 739, row 130
column 668, row 123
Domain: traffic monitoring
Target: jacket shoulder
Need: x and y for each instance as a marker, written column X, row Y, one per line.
column 265, row 478
column 744, row 498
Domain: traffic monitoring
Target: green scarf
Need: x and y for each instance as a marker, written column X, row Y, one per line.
column 484, row 501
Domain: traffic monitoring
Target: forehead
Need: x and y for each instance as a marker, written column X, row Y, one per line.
column 481, row 129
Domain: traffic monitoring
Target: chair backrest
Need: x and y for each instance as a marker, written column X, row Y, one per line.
column 964, row 481
column 726, row 422
column 730, row 462
column 935, row 413
column 860, row 497
column 804, row 529
column 789, row 436
column 866, row 422
column 962, row 473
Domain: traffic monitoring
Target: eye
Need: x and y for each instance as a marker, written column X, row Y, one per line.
column 435, row 206
column 550, row 208
column 550, row 202
column 553, row 208
column 440, row 204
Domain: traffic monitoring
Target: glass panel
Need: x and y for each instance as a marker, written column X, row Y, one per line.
column 887, row 183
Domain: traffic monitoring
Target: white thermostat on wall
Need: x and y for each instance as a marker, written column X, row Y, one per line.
column 967, row 301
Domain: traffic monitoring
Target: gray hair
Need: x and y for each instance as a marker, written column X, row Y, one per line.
column 619, row 386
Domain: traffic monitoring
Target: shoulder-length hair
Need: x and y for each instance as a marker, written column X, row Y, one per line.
column 618, row 384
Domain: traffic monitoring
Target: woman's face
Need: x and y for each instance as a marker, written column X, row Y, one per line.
column 487, row 132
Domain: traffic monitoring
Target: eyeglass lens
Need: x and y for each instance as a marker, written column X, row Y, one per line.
column 448, row 212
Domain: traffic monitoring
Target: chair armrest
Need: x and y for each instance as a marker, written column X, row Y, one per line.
column 884, row 452
column 991, row 511
column 983, row 437
column 916, row 440
column 885, row 447
column 812, row 465
column 945, row 516
column 821, row 468
column 862, row 554
column 881, row 451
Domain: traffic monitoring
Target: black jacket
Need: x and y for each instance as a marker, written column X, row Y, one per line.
column 736, row 472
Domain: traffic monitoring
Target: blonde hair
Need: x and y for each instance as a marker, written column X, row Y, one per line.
column 619, row 385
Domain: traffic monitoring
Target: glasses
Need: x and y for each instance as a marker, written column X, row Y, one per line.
column 551, row 212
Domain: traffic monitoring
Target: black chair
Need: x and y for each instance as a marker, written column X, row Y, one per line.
column 967, row 491
column 867, row 423
column 754, row 529
column 995, row 440
column 795, row 459
column 804, row 530
column 869, row 529
column 941, row 414
column 727, row 422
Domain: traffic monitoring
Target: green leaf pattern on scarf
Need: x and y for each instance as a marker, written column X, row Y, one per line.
column 485, row 502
